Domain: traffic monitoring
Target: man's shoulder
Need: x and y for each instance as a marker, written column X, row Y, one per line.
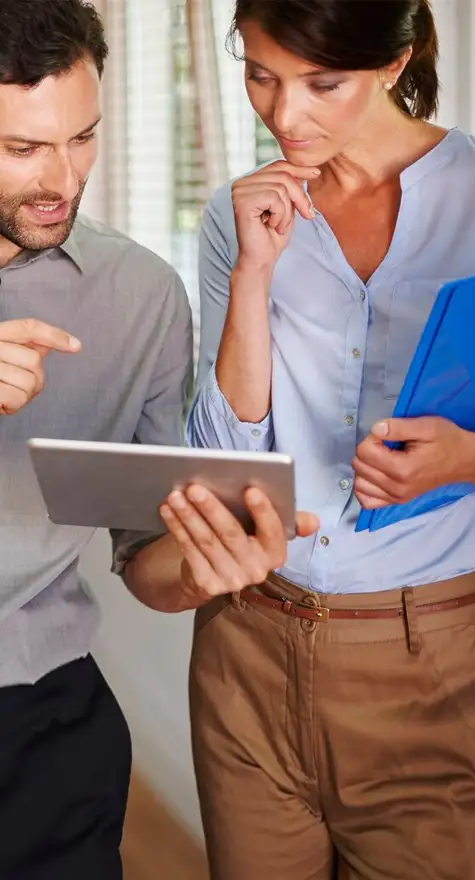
column 102, row 246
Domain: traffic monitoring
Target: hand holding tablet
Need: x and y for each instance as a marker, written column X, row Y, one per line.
column 230, row 513
column 218, row 556
column 123, row 485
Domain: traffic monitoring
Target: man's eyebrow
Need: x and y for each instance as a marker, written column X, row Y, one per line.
column 316, row 72
column 21, row 139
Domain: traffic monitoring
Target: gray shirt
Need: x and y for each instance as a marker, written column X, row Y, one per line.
column 129, row 383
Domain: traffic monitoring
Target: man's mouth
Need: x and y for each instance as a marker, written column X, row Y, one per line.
column 47, row 207
column 48, row 213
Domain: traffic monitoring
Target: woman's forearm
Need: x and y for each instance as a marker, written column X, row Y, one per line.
column 243, row 367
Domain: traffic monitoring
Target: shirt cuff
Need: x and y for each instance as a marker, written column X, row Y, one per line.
column 213, row 424
column 126, row 544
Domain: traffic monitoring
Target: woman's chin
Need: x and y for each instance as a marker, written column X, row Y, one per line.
column 307, row 157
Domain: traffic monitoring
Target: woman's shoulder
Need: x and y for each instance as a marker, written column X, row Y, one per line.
column 463, row 138
column 461, row 145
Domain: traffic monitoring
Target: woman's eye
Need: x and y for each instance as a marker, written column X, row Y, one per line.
column 324, row 87
column 258, row 78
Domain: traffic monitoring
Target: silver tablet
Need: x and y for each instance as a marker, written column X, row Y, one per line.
column 121, row 485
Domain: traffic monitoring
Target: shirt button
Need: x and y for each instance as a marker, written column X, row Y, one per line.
column 356, row 353
column 349, row 420
column 362, row 295
column 256, row 432
column 344, row 484
column 324, row 541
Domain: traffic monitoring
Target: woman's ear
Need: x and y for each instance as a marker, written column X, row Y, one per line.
column 393, row 71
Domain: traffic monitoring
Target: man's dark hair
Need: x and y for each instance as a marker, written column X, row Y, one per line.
column 40, row 38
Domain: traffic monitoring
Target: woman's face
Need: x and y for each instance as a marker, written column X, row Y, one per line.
column 314, row 113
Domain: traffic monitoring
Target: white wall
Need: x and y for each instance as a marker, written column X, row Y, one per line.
column 145, row 655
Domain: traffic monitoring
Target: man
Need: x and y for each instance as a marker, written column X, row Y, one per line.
column 65, row 745
column 95, row 343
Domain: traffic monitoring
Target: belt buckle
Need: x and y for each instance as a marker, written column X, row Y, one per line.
column 322, row 614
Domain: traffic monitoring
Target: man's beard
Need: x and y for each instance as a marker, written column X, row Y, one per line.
column 15, row 227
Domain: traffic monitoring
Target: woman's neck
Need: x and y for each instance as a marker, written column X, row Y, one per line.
column 380, row 154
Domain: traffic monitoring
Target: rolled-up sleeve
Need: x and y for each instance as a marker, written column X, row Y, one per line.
column 161, row 421
column 211, row 422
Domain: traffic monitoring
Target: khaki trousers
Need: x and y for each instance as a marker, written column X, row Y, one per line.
column 342, row 749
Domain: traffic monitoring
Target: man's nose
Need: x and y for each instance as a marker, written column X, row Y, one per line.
column 60, row 177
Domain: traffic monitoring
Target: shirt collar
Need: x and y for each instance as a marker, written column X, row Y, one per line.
column 72, row 250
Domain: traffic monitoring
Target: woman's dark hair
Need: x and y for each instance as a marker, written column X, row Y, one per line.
column 40, row 38
column 355, row 35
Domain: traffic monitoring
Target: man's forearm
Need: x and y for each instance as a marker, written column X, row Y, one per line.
column 243, row 367
column 153, row 576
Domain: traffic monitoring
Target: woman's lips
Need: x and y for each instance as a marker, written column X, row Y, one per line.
column 296, row 145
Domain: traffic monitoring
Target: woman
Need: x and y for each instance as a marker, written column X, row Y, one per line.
column 333, row 706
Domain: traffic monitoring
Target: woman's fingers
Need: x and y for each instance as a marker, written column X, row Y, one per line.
column 282, row 183
column 369, row 502
column 365, row 487
column 384, row 486
column 271, row 201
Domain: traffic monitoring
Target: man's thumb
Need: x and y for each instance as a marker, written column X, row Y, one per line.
column 306, row 524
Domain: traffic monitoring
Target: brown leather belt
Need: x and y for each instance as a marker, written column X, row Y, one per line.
column 323, row 615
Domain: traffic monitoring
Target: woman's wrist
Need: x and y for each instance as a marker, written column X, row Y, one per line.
column 247, row 269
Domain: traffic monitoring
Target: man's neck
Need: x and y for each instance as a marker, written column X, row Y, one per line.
column 8, row 251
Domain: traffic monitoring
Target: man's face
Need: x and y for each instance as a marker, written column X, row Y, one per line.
column 47, row 149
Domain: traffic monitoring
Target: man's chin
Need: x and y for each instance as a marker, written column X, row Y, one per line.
column 39, row 238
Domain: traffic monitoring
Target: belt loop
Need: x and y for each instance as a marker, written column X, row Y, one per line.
column 412, row 627
column 237, row 601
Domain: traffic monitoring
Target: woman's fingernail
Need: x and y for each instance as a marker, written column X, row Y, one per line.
column 74, row 343
column 165, row 512
column 380, row 429
column 197, row 493
column 316, row 172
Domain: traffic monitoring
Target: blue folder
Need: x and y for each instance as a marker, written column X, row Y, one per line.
column 440, row 382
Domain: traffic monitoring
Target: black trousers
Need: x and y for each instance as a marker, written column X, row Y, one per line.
column 64, row 775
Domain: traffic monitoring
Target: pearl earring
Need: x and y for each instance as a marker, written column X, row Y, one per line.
column 388, row 86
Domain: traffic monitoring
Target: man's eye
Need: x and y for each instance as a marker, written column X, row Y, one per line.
column 21, row 151
column 85, row 138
